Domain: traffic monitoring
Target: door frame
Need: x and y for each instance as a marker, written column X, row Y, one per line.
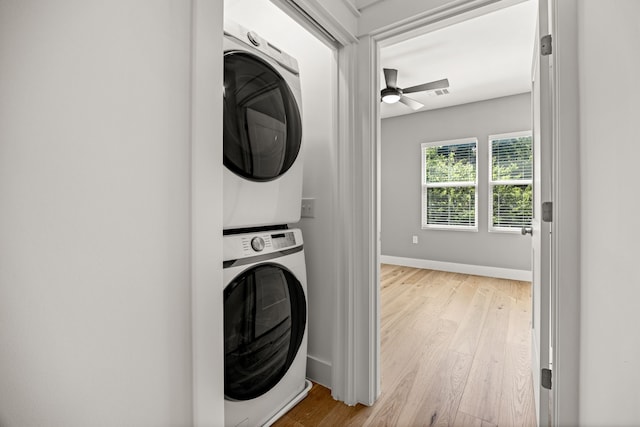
column 207, row 334
column 565, row 178
column 565, row 239
column 541, row 283
column 367, row 289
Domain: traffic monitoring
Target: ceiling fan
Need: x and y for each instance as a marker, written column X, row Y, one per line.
column 392, row 93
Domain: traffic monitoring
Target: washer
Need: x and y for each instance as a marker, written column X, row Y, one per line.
column 262, row 132
column 265, row 333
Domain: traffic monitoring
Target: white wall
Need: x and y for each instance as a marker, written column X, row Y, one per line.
column 401, row 193
column 206, row 213
column 95, row 316
column 317, row 70
column 609, row 66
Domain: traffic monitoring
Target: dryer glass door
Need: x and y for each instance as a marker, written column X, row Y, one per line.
column 262, row 124
column 264, row 321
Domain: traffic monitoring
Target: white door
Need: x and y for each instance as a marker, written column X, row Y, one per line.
column 540, row 229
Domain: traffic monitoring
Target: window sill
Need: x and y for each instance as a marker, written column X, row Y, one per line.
column 509, row 230
column 450, row 228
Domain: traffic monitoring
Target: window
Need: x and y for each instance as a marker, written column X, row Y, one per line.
column 449, row 177
column 510, row 181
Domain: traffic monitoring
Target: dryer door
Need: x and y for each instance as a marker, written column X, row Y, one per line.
column 262, row 124
column 265, row 314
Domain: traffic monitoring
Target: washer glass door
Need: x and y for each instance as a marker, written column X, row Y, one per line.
column 264, row 321
column 262, row 124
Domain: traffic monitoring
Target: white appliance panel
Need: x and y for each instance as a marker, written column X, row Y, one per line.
column 242, row 253
column 270, row 201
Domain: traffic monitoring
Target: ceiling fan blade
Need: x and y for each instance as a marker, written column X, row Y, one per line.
column 391, row 77
column 411, row 103
column 438, row 84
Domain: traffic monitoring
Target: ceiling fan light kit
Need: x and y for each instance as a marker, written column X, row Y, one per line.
column 392, row 93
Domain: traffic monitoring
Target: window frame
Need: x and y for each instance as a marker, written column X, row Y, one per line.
column 424, row 185
column 491, row 183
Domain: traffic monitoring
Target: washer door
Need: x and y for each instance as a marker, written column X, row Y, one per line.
column 262, row 124
column 265, row 314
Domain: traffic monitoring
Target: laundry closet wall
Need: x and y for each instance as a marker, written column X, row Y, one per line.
column 317, row 70
column 95, row 213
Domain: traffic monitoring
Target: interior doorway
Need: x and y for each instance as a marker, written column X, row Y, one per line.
column 405, row 247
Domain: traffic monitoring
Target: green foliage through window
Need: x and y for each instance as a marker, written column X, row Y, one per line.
column 451, row 206
column 451, row 163
column 449, row 184
column 511, row 183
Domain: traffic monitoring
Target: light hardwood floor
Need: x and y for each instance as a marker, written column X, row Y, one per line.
column 455, row 352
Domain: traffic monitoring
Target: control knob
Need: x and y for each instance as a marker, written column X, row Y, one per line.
column 257, row 243
column 253, row 38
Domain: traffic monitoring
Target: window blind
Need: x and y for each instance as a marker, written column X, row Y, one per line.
column 449, row 184
column 512, row 158
column 511, row 179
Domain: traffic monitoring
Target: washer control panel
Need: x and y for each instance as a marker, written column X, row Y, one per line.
column 283, row 240
column 255, row 42
column 238, row 246
column 253, row 244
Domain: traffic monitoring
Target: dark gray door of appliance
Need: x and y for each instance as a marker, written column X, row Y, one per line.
column 262, row 123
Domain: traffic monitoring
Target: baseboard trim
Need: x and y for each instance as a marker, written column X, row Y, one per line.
column 478, row 270
column 319, row 371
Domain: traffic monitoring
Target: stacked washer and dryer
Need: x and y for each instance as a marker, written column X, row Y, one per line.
column 265, row 289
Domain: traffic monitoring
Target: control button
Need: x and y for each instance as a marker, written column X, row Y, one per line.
column 253, row 38
column 257, row 243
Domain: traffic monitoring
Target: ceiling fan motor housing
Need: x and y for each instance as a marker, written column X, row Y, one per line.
column 391, row 95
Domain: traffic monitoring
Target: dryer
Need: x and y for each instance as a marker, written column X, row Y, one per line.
column 262, row 132
column 265, row 319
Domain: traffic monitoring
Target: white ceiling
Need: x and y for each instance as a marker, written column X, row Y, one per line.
column 485, row 57
column 361, row 4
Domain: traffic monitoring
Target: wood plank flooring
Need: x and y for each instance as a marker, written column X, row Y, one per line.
column 455, row 352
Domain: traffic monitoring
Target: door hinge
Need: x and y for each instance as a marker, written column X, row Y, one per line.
column 547, row 211
column 545, row 45
column 545, row 379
